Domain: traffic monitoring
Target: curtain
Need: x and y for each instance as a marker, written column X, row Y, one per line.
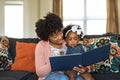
column 58, row 8
column 112, row 17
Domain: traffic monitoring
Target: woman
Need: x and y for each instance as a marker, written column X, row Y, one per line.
column 49, row 30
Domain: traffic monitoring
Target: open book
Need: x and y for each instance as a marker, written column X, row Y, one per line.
column 67, row 62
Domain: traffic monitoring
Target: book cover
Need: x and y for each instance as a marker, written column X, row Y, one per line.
column 67, row 62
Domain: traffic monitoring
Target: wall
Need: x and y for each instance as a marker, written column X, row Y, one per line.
column 45, row 7
column 30, row 17
column 1, row 18
column 34, row 10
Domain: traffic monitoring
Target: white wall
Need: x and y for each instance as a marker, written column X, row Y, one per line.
column 30, row 17
column 45, row 7
column 1, row 18
column 34, row 10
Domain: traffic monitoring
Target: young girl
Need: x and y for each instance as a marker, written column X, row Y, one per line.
column 72, row 35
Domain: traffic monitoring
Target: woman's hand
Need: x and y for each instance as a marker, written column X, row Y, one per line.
column 83, row 72
column 80, row 69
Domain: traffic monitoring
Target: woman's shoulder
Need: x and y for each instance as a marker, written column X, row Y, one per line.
column 43, row 43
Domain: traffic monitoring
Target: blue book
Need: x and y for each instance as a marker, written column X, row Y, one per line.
column 67, row 62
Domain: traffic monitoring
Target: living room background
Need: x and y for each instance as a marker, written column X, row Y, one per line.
column 32, row 11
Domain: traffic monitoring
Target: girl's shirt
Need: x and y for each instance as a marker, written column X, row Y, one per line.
column 77, row 49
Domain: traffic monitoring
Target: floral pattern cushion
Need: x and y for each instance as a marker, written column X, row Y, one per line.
column 113, row 63
column 5, row 61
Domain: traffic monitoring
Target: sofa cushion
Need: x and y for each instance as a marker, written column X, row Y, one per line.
column 5, row 59
column 12, row 45
column 33, row 77
column 108, row 76
column 112, row 64
column 15, row 75
column 25, row 59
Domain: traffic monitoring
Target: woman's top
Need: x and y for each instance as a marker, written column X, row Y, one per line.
column 58, row 52
column 42, row 53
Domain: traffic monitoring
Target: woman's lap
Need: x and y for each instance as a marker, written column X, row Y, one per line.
column 56, row 76
column 79, row 78
column 60, row 76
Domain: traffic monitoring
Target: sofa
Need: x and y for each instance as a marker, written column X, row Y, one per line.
column 110, row 68
column 17, row 57
column 14, row 66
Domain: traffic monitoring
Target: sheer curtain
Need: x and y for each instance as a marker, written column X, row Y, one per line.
column 112, row 17
column 58, row 8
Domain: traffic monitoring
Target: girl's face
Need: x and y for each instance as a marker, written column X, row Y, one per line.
column 56, row 38
column 72, row 39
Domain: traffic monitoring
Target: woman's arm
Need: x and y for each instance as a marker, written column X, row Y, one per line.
column 42, row 63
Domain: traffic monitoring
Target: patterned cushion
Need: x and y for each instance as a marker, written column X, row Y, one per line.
column 5, row 61
column 113, row 63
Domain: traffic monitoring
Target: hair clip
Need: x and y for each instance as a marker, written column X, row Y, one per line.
column 74, row 28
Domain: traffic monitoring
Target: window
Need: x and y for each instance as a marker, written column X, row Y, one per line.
column 13, row 18
column 89, row 14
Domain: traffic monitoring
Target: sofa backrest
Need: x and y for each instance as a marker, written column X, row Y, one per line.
column 113, row 63
column 8, row 50
column 12, row 44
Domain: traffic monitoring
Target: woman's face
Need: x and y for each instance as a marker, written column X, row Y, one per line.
column 72, row 39
column 56, row 38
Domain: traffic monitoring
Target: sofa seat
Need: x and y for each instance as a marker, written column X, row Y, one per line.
column 16, row 75
column 104, row 76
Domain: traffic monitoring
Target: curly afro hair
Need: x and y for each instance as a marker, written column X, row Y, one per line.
column 47, row 26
